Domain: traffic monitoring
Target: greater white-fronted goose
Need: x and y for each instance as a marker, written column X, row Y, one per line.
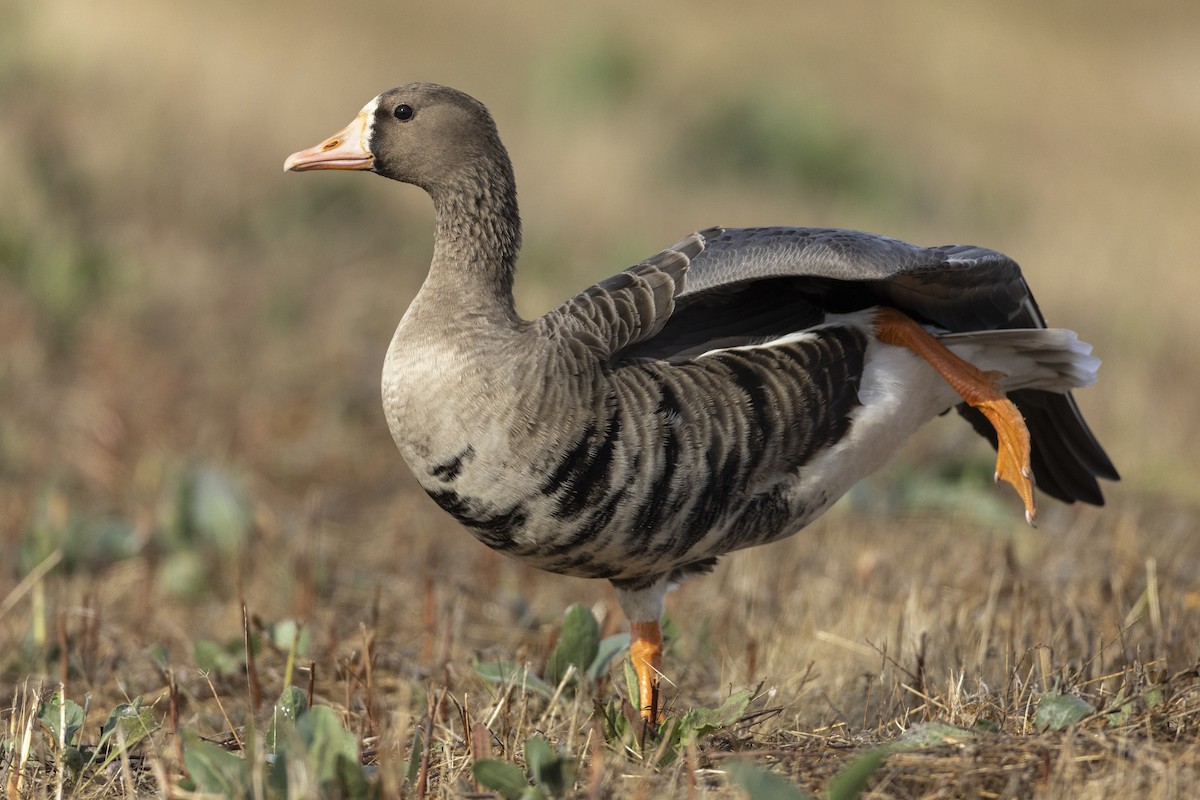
column 719, row 395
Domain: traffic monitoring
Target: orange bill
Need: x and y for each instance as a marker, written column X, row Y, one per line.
column 349, row 148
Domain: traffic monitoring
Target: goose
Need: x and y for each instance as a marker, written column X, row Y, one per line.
column 720, row 394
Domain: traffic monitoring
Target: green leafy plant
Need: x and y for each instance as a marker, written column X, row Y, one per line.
column 62, row 719
column 848, row 784
column 85, row 542
column 1058, row 711
column 126, row 726
column 577, row 646
column 211, row 508
column 506, row 672
column 664, row 745
column 851, row 781
column 549, row 773
column 762, row 784
column 290, row 706
column 581, row 658
column 931, row 734
column 308, row 750
column 327, row 750
column 207, row 522
column 1124, row 707
column 224, row 659
column 213, row 769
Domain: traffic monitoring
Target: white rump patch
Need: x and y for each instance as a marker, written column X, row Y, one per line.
column 898, row 393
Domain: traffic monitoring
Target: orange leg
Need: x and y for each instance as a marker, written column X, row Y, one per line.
column 978, row 389
column 645, row 648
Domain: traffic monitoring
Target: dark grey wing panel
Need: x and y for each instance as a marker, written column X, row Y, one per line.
column 752, row 283
column 732, row 255
column 955, row 287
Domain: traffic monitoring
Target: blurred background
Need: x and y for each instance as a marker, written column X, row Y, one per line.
column 191, row 340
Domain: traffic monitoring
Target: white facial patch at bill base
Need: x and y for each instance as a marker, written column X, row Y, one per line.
column 367, row 129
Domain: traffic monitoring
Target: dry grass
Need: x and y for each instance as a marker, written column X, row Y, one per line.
column 168, row 299
column 852, row 637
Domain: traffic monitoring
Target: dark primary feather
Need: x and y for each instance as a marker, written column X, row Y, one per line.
column 752, row 284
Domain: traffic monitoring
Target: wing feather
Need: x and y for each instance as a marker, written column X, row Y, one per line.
column 727, row 287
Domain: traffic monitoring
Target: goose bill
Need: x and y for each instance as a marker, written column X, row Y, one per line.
column 346, row 149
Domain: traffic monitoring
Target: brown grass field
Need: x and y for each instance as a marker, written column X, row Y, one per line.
column 190, row 345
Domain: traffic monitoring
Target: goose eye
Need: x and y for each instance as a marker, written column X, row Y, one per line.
column 403, row 112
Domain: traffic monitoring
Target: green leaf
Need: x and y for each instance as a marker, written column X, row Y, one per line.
column 931, row 734
column 288, row 708
column 1059, row 711
column 853, row 778
column 609, row 649
column 577, row 646
column 354, row 781
column 548, row 769
column 213, row 509
column 1122, row 715
column 538, row 754
column 760, row 784
column 669, row 740
column 288, row 633
column 72, row 759
column 700, row 722
column 670, row 629
column 157, row 653
column 326, row 741
column 63, row 718
column 212, row 657
column 214, row 770
column 414, row 759
column 505, row 778
column 631, row 683
column 616, row 727
column 1154, row 698
column 128, row 723
column 986, row 726
column 506, row 672
column 185, row 575
column 110, row 540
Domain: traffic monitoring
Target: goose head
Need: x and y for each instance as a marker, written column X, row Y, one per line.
column 424, row 134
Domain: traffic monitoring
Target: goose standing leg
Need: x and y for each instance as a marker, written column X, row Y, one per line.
column 643, row 607
column 645, row 650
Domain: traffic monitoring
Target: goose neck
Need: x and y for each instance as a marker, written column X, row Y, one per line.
column 478, row 235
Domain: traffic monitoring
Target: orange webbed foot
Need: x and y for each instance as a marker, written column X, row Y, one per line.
column 980, row 390
column 1012, row 450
